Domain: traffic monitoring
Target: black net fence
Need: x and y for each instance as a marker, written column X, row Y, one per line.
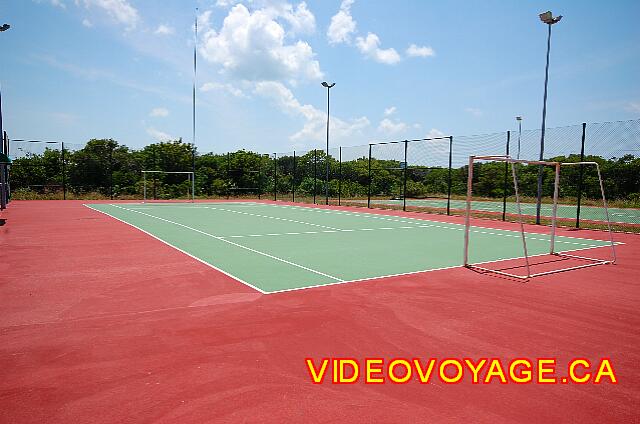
column 423, row 175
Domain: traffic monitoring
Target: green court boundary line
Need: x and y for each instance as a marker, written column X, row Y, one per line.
column 233, row 243
column 180, row 250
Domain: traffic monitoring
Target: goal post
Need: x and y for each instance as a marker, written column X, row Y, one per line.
column 557, row 166
column 190, row 175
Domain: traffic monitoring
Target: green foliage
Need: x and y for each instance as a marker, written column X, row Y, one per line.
column 104, row 167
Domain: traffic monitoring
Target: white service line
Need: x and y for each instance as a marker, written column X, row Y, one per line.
column 274, row 217
column 232, row 243
column 405, row 228
column 416, row 221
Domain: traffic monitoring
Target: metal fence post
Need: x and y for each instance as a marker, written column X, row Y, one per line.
column 111, row 171
column 293, row 179
column 315, row 161
column 449, row 178
column 404, row 178
column 64, row 178
column 260, row 176
column 369, row 189
column 275, row 176
column 584, row 134
column 339, row 174
column 506, row 180
column 228, row 174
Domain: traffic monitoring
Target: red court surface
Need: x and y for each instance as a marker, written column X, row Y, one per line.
column 101, row 323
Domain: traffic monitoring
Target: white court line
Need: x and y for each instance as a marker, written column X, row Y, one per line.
column 405, row 228
column 415, row 272
column 479, row 230
column 180, row 250
column 234, row 244
column 274, row 217
column 459, row 227
column 339, row 281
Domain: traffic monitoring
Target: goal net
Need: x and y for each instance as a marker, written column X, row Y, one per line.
column 526, row 167
column 168, row 185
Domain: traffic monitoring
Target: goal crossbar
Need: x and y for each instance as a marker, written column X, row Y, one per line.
column 557, row 167
column 190, row 174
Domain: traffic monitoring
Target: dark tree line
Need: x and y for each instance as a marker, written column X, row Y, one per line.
column 106, row 168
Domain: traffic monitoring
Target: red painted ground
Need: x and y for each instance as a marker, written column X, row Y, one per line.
column 101, row 323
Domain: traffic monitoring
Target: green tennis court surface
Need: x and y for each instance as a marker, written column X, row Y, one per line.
column 280, row 247
column 591, row 213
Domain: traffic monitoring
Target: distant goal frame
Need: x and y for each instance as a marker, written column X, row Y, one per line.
column 557, row 167
column 190, row 174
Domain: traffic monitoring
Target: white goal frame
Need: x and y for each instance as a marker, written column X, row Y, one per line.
column 191, row 175
column 557, row 166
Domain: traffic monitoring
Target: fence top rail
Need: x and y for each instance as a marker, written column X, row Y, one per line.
column 502, row 158
column 35, row 141
column 408, row 141
column 578, row 163
column 167, row 172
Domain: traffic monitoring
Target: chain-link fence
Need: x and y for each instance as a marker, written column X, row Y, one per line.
column 422, row 175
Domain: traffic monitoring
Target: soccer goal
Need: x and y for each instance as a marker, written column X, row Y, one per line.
column 168, row 185
column 584, row 261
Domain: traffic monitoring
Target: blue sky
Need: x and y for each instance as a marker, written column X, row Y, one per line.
column 72, row 70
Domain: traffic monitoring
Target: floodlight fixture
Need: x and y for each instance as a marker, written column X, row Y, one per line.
column 4, row 27
column 328, row 85
column 547, row 18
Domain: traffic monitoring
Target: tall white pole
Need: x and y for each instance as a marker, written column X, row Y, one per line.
column 195, row 63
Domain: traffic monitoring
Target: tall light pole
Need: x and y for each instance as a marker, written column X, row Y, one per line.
column 326, row 186
column 195, row 75
column 547, row 18
column 519, row 119
column 4, row 173
column 3, row 28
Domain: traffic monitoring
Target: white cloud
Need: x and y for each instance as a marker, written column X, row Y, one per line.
column 55, row 3
column 390, row 111
column 159, row 135
column 419, row 51
column 119, row 10
column 229, row 88
column 434, row 133
column 63, row 118
column 370, row 47
column 390, row 127
column 252, row 46
column 315, row 120
column 87, row 23
column 474, row 111
column 226, row 3
column 300, row 19
column 159, row 112
column 633, row 107
column 164, row 30
column 342, row 24
column 204, row 19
